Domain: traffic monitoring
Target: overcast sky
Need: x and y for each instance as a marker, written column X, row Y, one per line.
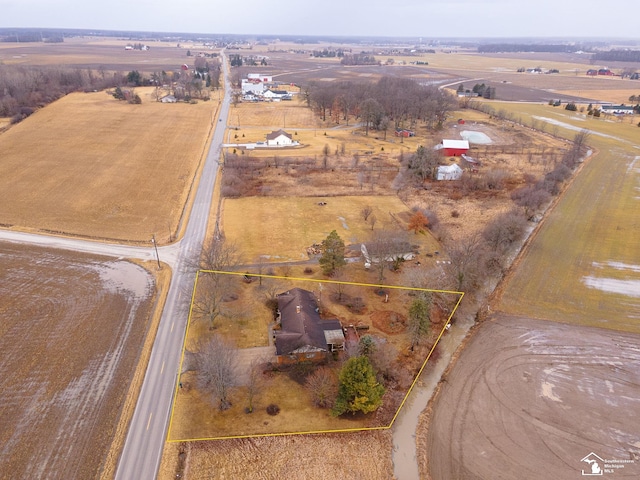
column 413, row 18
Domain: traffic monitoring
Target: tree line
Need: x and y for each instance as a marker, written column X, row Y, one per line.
column 617, row 56
column 393, row 101
column 526, row 47
column 24, row 89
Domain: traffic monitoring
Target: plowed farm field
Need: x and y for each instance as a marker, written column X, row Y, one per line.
column 531, row 399
column 71, row 331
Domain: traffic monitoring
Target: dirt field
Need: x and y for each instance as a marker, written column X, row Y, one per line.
column 530, row 399
column 99, row 54
column 71, row 334
column 97, row 169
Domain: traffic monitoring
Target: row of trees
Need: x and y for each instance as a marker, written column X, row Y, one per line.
column 400, row 102
column 617, row 56
column 25, row 89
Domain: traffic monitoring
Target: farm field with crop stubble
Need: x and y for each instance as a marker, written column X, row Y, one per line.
column 91, row 166
column 72, row 332
column 582, row 267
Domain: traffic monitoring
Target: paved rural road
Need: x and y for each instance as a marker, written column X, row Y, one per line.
column 143, row 447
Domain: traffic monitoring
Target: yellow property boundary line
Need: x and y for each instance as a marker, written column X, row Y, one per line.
column 280, row 434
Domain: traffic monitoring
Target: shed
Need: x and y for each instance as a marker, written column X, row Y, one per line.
column 454, row 148
column 449, row 172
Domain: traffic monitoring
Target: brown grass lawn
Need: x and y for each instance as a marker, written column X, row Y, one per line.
column 92, row 166
column 281, row 228
column 196, row 418
column 298, row 457
column 256, row 120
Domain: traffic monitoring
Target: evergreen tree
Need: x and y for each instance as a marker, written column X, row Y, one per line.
column 332, row 253
column 419, row 322
column 358, row 390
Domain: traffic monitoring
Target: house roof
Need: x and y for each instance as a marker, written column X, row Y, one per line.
column 302, row 329
column 463, row 144
column 275, row 134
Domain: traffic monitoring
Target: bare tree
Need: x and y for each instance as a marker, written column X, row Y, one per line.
column 386, row 249
column 383, row 359
column 465, row 264
column 530, row 198
column 217, row 370
column 215, row 255
column 366, row 211
column 372, row 221
column 323, row 386
column 211, row 291
column 254, row 382
column 504, row 230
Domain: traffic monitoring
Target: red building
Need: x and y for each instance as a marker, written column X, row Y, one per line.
column 454, row 148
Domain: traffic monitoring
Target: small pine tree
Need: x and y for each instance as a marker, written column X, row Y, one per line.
column 332, row 253
column 358, row 390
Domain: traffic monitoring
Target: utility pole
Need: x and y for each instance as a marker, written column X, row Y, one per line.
column 155, row 245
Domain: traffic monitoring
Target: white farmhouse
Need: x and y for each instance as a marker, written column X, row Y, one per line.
column 279, row 138
column 255, row 83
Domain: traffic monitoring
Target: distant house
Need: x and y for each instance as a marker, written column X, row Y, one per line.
column 303, row 335
column 372, row 253
column 279, row 138
column 592, row 72
column 255, row 83
column 453, row 148
column 605, row 71
column 449, row 172
column 618, row 109
column 276, row 95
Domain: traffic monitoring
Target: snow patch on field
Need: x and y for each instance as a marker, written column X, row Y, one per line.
column 124, row 277
column 547, row 392
column 613, row 285
column 618, row 266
